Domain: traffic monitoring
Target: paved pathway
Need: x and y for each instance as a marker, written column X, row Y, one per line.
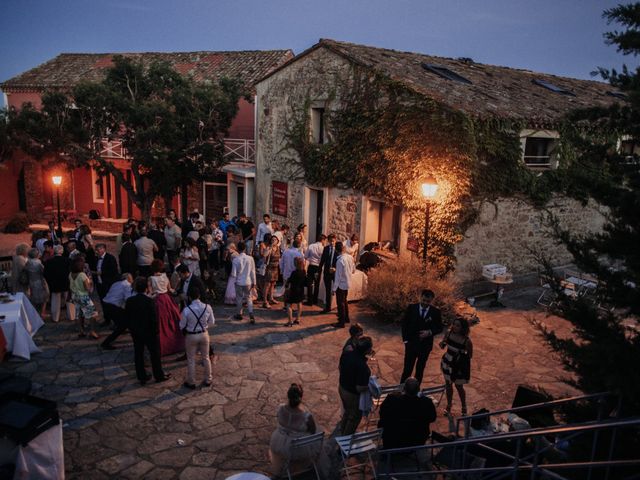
column 117, row 428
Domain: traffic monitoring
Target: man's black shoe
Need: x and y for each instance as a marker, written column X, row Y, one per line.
column 147, row 377
column 337, row 325
column 166, row 377
column 190, row 386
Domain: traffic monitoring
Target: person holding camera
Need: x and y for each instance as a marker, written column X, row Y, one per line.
column 197, row 317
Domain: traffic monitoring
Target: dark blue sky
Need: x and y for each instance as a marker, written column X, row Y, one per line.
column 555, row 36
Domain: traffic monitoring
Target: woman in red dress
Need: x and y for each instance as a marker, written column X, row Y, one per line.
column 171, row 339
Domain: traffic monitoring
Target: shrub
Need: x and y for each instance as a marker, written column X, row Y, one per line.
column 394, row 285
column 18, row 224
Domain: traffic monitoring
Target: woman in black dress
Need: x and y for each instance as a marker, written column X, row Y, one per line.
column 456, row 362
column 295, row 291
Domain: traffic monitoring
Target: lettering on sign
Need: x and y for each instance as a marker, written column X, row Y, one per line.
column 280, row 198
column 413, row 244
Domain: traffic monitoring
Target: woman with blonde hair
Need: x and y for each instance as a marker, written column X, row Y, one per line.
column 81, row 287
column 38, row 288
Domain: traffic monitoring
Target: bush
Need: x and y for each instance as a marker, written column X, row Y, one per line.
column 393, row 286
column 18, row 224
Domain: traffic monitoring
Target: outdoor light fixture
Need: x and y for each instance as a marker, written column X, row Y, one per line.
column 429, row 190
column 57, row 181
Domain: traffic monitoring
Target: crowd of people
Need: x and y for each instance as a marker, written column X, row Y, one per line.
column 162, row 282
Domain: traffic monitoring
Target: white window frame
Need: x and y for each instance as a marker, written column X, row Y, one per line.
column 544, row 134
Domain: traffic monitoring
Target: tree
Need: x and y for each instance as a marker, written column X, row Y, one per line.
column 170, row 126
column 605, row 354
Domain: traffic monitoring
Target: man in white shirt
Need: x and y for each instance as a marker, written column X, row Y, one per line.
column 282, row 236
column 243, row 268
column 196, row 318
column 313, row 256
column 345, row 268
column 113, row 307
column 264, row 227
column 288, row 260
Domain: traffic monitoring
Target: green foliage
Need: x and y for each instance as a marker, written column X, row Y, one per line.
column 604, row 353
column 170, row 126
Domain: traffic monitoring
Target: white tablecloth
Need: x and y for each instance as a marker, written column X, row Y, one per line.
column 41, row 459
column 358, row 288
column 21, row 322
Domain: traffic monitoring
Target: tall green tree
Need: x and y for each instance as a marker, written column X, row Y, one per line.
column 170, row 126
column 605, row 353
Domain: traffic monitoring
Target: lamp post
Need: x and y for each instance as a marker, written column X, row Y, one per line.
column 57, row 181
column 429, row 189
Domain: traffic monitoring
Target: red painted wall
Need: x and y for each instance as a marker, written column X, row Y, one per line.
column 244, row 122
column 10, row 173
column 17, row 99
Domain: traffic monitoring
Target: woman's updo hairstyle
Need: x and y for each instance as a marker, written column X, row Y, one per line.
column 294, row 394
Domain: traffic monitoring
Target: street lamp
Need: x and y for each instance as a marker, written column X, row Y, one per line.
column 429, row 189
column 57, row 181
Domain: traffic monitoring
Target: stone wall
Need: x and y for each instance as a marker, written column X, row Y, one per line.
column 507, row 231
column 320, row 76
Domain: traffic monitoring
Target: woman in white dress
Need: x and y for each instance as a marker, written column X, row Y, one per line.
column 352, row 247
column 190, row 257
column 230, row 293
column 19, row 262
column 38, row 288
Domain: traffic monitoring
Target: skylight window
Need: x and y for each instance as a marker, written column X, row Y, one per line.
column 444, row 72
column 552, row 87
column 616, row 94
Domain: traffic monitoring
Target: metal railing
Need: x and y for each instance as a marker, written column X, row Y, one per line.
column 519, row 463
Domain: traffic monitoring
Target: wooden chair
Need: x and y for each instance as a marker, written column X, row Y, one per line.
column 359, row 444
column 307, row 443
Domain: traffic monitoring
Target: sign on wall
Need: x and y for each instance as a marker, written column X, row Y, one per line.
column 413, row 244
column 280, row 198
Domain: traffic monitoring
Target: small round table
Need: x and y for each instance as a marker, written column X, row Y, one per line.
column 499, row 290
column 248, row 476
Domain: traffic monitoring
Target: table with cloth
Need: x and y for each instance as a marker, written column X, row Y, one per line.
column 357, row 291
column 20, row 323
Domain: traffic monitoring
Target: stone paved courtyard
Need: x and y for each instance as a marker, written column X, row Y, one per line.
column 116, row 428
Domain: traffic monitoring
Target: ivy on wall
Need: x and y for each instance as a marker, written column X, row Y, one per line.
column 385, row 140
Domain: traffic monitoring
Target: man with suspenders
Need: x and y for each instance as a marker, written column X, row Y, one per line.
column 196, row 318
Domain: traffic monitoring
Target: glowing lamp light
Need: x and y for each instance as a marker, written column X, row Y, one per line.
column 429, row 189
column 57, row 180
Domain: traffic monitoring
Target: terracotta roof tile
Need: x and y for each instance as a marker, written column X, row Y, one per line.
column 67, row 69
column 494, row 91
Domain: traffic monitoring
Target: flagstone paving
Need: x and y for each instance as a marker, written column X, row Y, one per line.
column 116, row 428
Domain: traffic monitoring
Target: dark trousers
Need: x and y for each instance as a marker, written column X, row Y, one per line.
column 343, row 306
column 115, row 314
column 102, row 289
column 144, row 270
column 152, row 343
column 171, row 258
column 313, row 283
column 328, row 280
column 414, row 354
column 214, row 259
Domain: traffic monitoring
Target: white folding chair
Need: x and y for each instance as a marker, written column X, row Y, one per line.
column 359, row 444
column 309, row 443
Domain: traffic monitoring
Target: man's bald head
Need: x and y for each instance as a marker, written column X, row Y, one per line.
column 411, row 386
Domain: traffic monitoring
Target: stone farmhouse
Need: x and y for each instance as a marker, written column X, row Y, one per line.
column 27, row 186
column 503, row 230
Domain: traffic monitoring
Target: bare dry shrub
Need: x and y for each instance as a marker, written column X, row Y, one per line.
column 394, row 285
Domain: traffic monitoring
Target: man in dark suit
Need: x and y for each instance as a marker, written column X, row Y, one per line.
column 106, row 270
column 128, row 255
column 420, row 323
column 141, row 319
column 328, row 268
column 188, row 284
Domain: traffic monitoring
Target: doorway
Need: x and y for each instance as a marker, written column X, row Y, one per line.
column 316, row 214
column 215, row 200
